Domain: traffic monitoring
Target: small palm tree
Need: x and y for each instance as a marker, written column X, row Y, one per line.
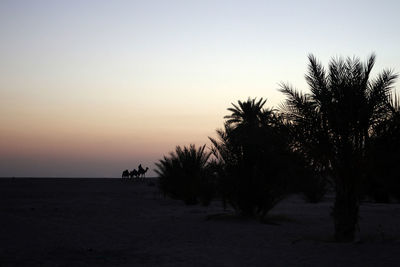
column 250, row 151
column 335, row 121
column 185, row 175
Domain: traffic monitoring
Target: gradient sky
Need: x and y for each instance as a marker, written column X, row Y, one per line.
column 89, row 88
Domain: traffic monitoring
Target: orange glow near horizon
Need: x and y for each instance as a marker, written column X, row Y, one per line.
column 118, row 135
column 86, row 90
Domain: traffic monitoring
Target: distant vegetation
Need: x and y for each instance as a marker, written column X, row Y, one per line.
column 343, row 134
column 383, row 156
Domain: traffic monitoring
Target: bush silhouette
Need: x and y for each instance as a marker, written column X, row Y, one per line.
column 185, row 175
column 314, row 187
column 384, row 157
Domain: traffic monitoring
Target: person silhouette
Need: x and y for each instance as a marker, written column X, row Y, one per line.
column 140, row 168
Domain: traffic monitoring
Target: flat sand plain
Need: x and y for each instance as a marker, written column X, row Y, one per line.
column 114, row 222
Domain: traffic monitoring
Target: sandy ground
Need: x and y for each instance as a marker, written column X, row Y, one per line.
column 111, row 222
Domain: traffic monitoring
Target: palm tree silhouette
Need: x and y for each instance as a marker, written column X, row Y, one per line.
column 247, row 122
column 249, row 151
column 246, row 114
column 334, row 123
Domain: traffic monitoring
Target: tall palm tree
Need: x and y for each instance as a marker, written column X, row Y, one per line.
column 335, row 120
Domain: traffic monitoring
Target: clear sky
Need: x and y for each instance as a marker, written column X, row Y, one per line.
column 89, row 88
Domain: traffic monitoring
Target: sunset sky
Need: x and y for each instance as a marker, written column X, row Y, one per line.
column 90, row 88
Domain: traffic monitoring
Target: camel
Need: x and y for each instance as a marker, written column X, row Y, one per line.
column 134, row 173
column 125, row 174
column 142, row 172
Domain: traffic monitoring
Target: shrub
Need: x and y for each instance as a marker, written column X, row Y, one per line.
column 384, row 156
column 185, row 175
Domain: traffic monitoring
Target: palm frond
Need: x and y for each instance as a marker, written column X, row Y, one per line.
column 379, row 94
column 316, row 79
column 368, row 68
column 297, row 105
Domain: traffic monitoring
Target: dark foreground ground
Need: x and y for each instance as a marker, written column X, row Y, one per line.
column 111, row 222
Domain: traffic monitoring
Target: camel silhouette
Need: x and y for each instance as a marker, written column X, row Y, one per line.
column 142, row 172
column 134, row 173
column 125, row 174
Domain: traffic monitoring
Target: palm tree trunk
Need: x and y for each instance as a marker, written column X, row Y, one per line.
column 345, row 211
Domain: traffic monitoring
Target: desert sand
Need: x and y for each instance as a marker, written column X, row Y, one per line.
column 115, row 222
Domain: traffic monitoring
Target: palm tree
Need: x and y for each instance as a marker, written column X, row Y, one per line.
column 247, row 114
column 247, row 150
column 336, row 120
column 384, row 155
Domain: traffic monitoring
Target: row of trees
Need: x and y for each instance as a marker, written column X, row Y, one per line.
column 345, row 131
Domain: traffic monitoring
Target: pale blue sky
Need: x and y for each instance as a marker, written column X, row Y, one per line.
column 88, row 88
